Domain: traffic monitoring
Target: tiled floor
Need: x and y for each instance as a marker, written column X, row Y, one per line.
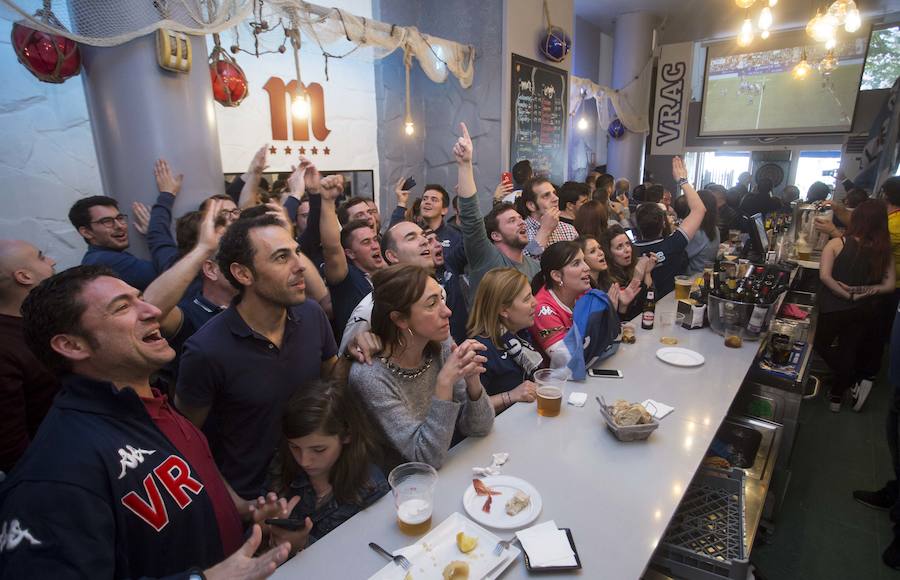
column 821, row 533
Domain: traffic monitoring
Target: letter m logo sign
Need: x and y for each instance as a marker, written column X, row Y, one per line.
column 280, row 98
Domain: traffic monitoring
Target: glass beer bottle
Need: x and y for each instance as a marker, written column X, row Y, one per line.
column 649, row 313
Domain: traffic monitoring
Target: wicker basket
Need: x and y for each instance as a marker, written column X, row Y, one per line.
column 628, row 433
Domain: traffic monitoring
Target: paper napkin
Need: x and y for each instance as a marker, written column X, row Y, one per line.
column 657, row 409
column 577, row 399
column 546, row 545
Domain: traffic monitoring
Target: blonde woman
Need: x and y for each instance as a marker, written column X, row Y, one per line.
column 500, row 317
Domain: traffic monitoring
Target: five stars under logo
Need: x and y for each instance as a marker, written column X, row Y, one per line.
column 315, row 150
column 302, row 150
column 326, row 151
column 287, row 150
column 273, row 150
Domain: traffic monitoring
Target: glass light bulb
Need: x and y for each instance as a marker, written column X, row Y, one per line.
column 853, row 21
column 765, row 18
column 772, row 3
column 744, row 3
column 409, row 128
column 300, row 107
column 764, row 34
column 801, row 70
column 582, row 124
column 746, row 35
column 838, row 10
column 830, row 43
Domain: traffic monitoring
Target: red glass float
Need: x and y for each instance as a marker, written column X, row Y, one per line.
column 229, row 82
column 52, row 58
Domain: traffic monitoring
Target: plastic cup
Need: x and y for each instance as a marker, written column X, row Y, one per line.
column 683, row 287
column 734, row 336
column 549, row 401
column 412, row 485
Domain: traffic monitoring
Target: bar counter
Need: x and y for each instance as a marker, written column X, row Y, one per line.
column 617, row 498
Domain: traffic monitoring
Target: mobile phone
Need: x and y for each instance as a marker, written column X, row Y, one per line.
column 606, row 373
column 408, row 184
column 506, row 177
column 630, row 235
column 290, row 524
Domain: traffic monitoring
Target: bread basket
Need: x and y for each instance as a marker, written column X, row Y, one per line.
column 627, row 433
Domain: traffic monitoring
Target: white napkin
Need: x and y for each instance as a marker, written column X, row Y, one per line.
column 497, row 460
column 577, row 399
column 546, row 545
column 657, row 409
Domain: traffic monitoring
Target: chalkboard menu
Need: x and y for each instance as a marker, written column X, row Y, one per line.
column 539, row 117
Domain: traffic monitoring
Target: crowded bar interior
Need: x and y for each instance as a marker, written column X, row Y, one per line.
column 450, row 289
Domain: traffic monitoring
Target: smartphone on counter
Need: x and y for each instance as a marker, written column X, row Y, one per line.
column 290, row 524
column 408, row 184
column 606, row 373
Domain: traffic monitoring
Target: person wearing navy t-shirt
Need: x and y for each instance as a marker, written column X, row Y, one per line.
column 656, row 237
column 271, row 330
column 503, row 310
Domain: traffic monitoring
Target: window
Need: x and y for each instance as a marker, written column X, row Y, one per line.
column 815, row 166
column 882, row 65
column 722, row 167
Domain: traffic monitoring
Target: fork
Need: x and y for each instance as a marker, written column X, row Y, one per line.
column 401, row 561
column 504, row 544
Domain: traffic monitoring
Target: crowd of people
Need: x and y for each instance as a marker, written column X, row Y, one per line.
column 282, row 351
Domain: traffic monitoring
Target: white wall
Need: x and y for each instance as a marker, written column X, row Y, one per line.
column 47, row 158
column 525, row 25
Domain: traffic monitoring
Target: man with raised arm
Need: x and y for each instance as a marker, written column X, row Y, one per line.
column 498, row 240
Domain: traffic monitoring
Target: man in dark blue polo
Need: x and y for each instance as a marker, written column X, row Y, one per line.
column 105, row 229
column 239, row 370
column 352, row 254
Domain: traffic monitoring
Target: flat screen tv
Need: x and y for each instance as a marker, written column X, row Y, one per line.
column 751, row 91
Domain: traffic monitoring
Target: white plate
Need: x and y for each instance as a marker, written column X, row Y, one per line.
column 680, row 357
column 431, row 554
column 498, row 518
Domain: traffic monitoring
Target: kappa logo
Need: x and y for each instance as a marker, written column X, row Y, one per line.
column 12, row 534
column 546, row 311
column 131, row 458
column 175, row 476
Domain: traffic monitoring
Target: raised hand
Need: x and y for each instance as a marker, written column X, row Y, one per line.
column 628, row 293
column 332, row 187
column 141, row 217
column 165, row 181
column 502, row 190
column 243, row 565
column 463, row 150
column 258, row 163
column 296, row 182
column 614, row 294
column 679, row 171
column 402, row 194
column 209, row 235
column 312, row 179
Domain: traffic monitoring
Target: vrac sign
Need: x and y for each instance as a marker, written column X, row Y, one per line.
column 280, row 97
column 672, row 99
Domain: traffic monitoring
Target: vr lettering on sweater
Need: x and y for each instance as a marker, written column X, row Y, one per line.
column 175, row 476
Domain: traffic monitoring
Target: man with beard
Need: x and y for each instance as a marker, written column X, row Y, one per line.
column 116, row 483
column 238, row 371
column 105, row 229
column 497, row 241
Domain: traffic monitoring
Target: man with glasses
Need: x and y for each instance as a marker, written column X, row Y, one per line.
column 105, row 229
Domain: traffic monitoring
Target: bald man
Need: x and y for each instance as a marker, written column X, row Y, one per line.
column 27, row 388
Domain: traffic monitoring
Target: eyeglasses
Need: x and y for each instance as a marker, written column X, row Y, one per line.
column 235, row 213
column 108, row 222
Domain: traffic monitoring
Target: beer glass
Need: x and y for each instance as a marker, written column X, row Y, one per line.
column 412, row 485
column 683, row 287
column 549, row 401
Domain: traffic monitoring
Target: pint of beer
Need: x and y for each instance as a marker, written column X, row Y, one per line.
column 683, row 287
column 549, row 401
column 412, row 485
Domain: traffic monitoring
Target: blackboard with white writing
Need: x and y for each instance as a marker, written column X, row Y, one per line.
column 539, row 117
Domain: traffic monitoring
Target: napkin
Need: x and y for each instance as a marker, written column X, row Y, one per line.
column 497, row 460
column 577, row 399
column 657, row 409
column 546, row 545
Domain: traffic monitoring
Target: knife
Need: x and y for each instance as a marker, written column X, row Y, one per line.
column 496, row 568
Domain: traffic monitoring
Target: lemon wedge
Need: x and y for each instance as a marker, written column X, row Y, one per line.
column 465, row 543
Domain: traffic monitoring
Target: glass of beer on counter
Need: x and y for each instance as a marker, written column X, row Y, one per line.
column 412, row 485
column 683, row 287
column 734, row 336
column 549, row 393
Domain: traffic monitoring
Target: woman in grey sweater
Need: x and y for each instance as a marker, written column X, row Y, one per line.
column 422, row 387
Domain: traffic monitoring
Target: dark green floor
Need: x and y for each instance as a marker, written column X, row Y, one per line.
column 821, row 532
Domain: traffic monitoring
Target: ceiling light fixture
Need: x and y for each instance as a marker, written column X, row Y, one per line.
column 802, row 69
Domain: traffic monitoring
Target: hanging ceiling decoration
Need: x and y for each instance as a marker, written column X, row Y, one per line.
column 52, row 58
column 555, row 44
column 229, row 82
column 764, row 21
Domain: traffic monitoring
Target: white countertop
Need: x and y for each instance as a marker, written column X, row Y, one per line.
column 617, row 498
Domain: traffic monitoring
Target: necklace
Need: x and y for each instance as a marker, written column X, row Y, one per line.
column 407, row 373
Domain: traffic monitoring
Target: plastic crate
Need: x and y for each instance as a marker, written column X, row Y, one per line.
column 705, row 538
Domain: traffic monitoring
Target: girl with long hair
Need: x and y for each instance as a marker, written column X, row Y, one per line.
column 422, row 387
column 626, row 268
column 326, row 459
column 595, row 258
column 855, row 270
column 503, row 310
column 592, row 219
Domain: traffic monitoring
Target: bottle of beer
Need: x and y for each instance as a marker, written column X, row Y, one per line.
column 649, row 313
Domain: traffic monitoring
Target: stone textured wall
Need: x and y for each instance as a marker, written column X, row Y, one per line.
column 437, row 109
column 47, row 157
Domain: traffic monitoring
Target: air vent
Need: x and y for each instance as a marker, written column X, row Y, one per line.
column 856, row 143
